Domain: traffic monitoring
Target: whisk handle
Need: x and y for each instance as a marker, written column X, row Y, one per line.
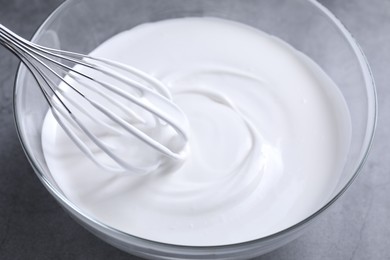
column 8, row 38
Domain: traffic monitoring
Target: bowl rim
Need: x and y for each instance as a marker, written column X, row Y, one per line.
column 166, row 247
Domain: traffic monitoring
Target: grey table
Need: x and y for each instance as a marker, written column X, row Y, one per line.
column 33, row 226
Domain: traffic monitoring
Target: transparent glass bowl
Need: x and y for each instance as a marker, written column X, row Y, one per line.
column 81, row 25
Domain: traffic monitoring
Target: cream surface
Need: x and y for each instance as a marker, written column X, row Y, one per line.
column 269, row 135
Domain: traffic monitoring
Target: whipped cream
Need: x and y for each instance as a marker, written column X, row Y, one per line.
column 269, row 136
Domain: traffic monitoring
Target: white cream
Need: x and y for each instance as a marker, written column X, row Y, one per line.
column 269, row 136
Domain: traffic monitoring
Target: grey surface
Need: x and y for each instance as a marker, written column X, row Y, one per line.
column 33, row 226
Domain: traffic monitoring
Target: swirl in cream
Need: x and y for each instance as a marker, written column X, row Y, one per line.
column 269, row 136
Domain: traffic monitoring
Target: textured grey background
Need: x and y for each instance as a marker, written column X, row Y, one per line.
column 33, row 226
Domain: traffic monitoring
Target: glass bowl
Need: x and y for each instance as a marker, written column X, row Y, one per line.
column 81, row 25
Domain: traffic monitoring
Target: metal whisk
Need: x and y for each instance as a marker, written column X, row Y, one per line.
column 118, row 98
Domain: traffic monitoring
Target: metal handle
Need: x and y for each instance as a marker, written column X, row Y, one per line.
column 11, row 40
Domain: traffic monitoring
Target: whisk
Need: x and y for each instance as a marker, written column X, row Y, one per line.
column 119, row 98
